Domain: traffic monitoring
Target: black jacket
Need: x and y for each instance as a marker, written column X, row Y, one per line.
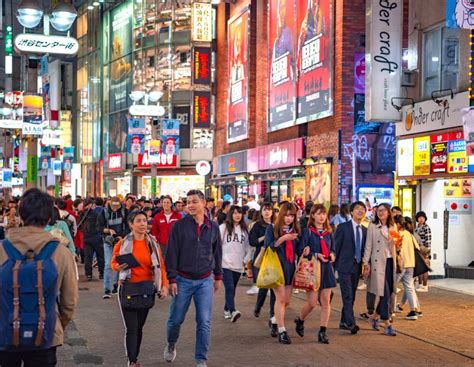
column 258, row 230
column 117, row 221
column 192, row 256
column 92, row 223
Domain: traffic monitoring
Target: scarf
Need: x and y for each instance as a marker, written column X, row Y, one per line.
column 289, row 249
column 126, row 247
column 324, row 246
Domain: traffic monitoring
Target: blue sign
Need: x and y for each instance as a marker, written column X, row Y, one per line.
column 459, row 14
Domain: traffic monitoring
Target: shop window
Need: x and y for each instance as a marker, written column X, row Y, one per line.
column 81, row 25
column 440, row 60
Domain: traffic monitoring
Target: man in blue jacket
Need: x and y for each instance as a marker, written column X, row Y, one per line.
column 350, row 241
column 194, row 269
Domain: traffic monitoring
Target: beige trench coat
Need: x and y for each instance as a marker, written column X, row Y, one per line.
column 376, row 256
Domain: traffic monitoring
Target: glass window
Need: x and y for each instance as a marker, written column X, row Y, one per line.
column 440, row 60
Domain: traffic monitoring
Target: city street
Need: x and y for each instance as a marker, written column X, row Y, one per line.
column 96, row 338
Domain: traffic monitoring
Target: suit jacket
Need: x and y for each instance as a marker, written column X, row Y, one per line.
column 345, row 247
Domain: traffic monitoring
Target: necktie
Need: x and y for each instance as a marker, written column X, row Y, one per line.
column 358, row 255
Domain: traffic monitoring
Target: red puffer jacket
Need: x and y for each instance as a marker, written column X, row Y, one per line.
column 161, row 228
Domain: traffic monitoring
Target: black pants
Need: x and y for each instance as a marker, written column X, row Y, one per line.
column 39, row 358
column 91, row 246
column 383, row 308
column 262, row 295
column 348, row 283
column 134, row 321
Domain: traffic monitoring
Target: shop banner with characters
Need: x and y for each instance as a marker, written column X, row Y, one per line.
column 238, row 63
column 45, row 158
column 32, row 115
column 460, row 14
column 68, row 160
column 136, row 135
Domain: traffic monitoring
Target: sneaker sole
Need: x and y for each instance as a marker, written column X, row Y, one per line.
column 234, row 319
column 412, row 318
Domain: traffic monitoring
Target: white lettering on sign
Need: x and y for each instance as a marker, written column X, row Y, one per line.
column 422, row 146
column 278, row 156
column 115, row 161
column 280, row 70
column 311, row 54
column 42, row 44
column 236, row 92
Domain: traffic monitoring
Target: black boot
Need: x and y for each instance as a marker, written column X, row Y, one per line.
column 274, row 330
column 299, row 326
column 322, row 338
column 284, row 338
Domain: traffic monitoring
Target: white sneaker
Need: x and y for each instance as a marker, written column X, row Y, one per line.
column 362, row 287
column 169, row 353
column 235, row 316
column 252, row 290
column 201, row 364
column 227, row 315
column 422, row 289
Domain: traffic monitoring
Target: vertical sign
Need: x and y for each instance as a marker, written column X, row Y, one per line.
column 405, row 157
column 439, row 153
column 202, row 22
column 383, row 59
column 421, row 156
column 314, row 61
column 281, row 89
column 238, row 61
column 201, row 110
column 457, row 157
column 202, row 65
column 32, row 169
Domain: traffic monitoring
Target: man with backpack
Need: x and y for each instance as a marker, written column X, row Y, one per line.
column 67, row 217
column 43, row 277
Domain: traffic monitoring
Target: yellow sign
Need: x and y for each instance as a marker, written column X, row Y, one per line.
column 458, row 188
column 421, row 156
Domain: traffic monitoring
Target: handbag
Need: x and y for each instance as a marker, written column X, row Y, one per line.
column 258, row 260
column 137, row 296
column 421, row 267
column 307, row 274
column 271, row 272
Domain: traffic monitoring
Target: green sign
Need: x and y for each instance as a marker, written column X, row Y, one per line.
column 9, row 41
column 153, row 187
column 32, row 169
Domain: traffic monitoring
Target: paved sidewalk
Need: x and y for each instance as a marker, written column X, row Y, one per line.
column 443, row 337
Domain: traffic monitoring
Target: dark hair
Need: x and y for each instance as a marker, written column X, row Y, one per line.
column 198, row 193
column 398, row 219
column 225, row 204
column 421, row 214
column 156, row 201
column 76, row 202
column 36, row 208
column 396, row 208
column 99, row 201
column 286, row 208
column 229, row 221
column 169, row 198
column 133, row 214
column 409, row 224
column 344, row 210
column 130, row 198
column 357, row 203
column 62, row 204
column 307, row 207
column 134, row 207
column 209, row 200
column 333, row 210
column 88, row 201
column 55, row 217
column 245, row 209
column 251, row 214
column 67, row 197
column 51, row 187
column 390, row 221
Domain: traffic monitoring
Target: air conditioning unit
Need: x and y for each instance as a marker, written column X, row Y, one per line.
column 408, row 78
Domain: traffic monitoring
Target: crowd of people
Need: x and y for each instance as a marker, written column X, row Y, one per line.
column 189, row 247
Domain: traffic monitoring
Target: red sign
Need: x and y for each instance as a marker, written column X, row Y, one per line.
column 114, row 162
column 202, row 65
column 165, row 161
column 202, row 110
column 274, row 156
column 439, row 153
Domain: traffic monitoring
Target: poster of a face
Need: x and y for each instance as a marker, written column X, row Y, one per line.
column 319, row 177
column 118, row 126
column 314, row 59
column 281, row 99
column 238, row 59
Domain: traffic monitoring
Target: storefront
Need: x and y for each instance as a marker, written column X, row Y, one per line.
column 118, row 181
column 434, row 175
column 276, row 172
column 232, row 175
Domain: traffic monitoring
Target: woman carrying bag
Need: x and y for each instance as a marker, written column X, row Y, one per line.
column 317, row 241
column 282, row 237
column 139, row 280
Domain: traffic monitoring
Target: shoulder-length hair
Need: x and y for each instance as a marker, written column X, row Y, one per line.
column 322, row 209
column 229, row 220
column 390, row 221
column 286, row 208
column 266, row 205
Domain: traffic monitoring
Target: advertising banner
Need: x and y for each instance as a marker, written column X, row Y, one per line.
column 120, row 83
column 232, row 163
column 383, row 59
column 359, row 73
column 170, row 144
column 136, row 144
column 405, row 157
column 45, row 156
column 32, row 115
column 7, row 177
column 459, row 14
column 457, row 157
column 458, row 188
column 136, row 126
column 32, row 169
column 238, row 64
column 121, row 30
column 202, row 110
column 319, row 183
column 164, row 160
column 201, row 68
column 154, row 151
column 421, row 156
column 114, row 162
column 314, row 60
column 281, row 89
column 439, row 153
column 171, row 127
column 202, row 22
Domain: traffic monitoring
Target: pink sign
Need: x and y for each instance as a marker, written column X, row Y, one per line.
column 359, row 73
column 274, row 156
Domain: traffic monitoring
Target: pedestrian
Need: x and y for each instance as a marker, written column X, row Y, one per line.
column 129, row 202
column 92, row 226
column 257, row 239
column 317, row 241
column 333, row 211
column 209, row 207
column 379, row 265
column 343, row 215
column 32, row 251
column 424, row 231
column 222, row 214
column 305, row 217
column 11, row 220
column 116, row 228
column 60, row 230
column 194, row 268
column 407, row 266
column 350, row 240
column 145, row 279
column 252, row 204
column 179, row 207
column 67, row 217
column 163, row 222
column 282, row 237
column 236, row 251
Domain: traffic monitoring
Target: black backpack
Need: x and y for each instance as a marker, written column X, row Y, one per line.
column 70, row 224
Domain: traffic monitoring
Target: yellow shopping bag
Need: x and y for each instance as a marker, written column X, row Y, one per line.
column 271, row 273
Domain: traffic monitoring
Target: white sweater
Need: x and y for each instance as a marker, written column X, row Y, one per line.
column 235, row 248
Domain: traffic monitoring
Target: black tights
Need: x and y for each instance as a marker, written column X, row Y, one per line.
column 134, row 321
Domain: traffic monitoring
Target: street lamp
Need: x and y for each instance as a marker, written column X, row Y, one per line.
column 29, row 13
column 62, row 16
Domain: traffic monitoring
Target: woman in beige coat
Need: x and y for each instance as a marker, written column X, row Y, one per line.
column 379, row 264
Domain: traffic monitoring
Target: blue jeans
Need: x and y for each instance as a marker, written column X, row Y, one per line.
column 406, row 276
column 202, row 290
column 231, row 279
column 108, row 272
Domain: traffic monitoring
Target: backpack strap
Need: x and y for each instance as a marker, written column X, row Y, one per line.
column 12, row 251
column 16, row 304
column 41, row 300
column 47, row 251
